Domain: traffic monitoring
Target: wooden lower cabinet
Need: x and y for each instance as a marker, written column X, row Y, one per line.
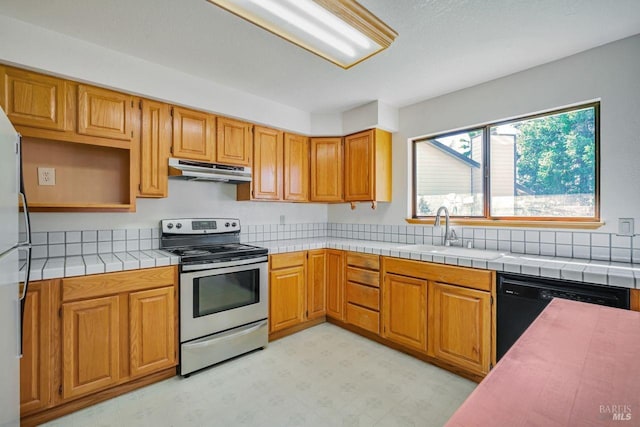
column 404, row 311
column 90, row 338
column 316, row 284
column 635, row 299
column 152, row 330
column 287, row 297
column 460, row 326
column 35, row 365
column 90, row 345
column 335, row 283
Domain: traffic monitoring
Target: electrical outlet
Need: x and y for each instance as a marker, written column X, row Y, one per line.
column 282, row 219
column 46, row 176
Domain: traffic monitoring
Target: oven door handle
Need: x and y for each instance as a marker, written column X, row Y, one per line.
column 206, row 342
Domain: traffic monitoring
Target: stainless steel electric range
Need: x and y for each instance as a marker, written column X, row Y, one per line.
column 223, row 290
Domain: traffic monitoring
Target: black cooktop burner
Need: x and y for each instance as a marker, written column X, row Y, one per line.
column 204, row 254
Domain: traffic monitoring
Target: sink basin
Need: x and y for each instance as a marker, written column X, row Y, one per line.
column 472, row 253
column 420, row 248
column 453, row 251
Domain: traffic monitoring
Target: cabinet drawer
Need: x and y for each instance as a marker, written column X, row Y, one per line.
column 364, row 318
column 366, row 277
column 291, row 259
column 461, row 276
column 363, row 295
column 368, row 261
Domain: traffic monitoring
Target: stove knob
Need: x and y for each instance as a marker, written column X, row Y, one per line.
column 178, row 225
column 226, row 224
column 233, row 224
column 170, row 225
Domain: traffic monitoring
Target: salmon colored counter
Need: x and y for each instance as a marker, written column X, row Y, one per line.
column 577, row 365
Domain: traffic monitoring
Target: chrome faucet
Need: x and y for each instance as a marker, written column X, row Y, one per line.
column 449, row 235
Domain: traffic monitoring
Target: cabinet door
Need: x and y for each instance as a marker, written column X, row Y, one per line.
column 267, row 164
column 152, row 334
column 90, row 345
column 287, row 298
column 316, row 284
column 104, row 113
column 296, row 167
column 31, row 99
column 193, row 135
column 154, row 148
column 404, row 311
column 234, row 142
column 460, row 326
column 335, row 283
column 35, row 365
column 359, row 172
column 326, row 169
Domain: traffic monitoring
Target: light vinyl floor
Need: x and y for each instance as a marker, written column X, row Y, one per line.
column 323, row 376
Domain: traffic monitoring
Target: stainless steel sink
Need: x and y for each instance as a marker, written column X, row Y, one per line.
column 454, row 251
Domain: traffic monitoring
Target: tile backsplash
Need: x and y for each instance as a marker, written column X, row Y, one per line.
column 569, row 244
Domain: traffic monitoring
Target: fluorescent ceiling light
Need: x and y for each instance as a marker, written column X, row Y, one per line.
column 341, row 31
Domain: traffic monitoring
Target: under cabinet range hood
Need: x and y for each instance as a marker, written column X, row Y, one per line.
column 203, row 171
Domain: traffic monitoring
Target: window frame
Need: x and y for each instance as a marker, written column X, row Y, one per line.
column 486, row 159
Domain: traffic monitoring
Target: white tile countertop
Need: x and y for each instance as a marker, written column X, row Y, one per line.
column 582, row 270
column 82, row 265
column 625, row 275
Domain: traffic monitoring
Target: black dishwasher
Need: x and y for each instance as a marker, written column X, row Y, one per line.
column 522, row 298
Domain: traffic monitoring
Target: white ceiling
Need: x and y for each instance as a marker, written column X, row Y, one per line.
column 443, row 45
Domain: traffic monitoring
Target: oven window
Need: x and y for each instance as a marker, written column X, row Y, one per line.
column 213, row 294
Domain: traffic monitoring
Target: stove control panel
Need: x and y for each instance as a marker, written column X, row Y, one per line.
column 200, row 225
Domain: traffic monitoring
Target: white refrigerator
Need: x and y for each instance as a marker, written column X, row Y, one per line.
column 13, row 252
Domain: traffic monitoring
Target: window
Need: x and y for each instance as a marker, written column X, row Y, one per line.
column 542, row 167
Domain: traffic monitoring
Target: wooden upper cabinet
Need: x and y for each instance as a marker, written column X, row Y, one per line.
column 335, row 283
column 31, row 99
column 90, row 345
column 234, row 142
column 460, row 326
column 316, row 284
column 104, row 113
column 267, row 164
column 296, row 167
column 35, row 365
column 155, row 143
column 152, row 333
column 404, row 311
column 367, row 166
column 194, row 135
column 326, row 169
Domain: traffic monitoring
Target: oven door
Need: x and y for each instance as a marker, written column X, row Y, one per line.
column 218, row 299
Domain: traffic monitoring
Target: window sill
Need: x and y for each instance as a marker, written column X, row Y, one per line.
column 479, row 222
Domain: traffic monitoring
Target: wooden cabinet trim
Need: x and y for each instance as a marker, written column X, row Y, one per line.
column 316, row 284
column 635, row 299
column 97, row 285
